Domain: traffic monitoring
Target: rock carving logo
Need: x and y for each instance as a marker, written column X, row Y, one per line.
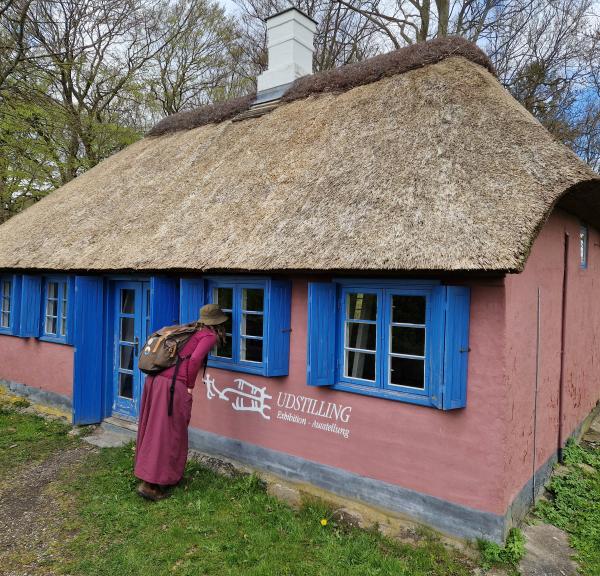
column 246, row 397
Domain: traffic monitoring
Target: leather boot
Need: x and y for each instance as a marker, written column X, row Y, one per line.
column 150, row 492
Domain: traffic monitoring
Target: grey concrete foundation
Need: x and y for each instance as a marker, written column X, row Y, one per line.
column 38, row 396
column 450, row 518
column 447, row 517
column 534, row 487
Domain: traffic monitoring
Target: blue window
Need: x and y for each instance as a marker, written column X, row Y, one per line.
column 7, row 303
column 399, row 340
column 258, row 325
column 55, row 309
column 584, row 235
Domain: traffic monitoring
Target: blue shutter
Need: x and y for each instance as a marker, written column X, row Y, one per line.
column 164, row 302
column 31, row 297
column 456, row 354
column 321, row 357
column 88, row 325
column 191, row 299
column 15, row 304
column 70, row 309
column 278, row 328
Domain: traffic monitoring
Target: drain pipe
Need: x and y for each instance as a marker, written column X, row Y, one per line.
column 561, row 389
column 535, row 400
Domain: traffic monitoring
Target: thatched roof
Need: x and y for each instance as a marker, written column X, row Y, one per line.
column 438, row 168
column 335, row 81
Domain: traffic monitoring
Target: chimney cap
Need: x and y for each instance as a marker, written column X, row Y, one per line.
column 288, row 10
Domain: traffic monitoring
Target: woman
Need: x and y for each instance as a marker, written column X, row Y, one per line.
column 162, row 439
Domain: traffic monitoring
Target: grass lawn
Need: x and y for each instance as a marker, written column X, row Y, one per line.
column 25, row 438
column 575, row 506
column 218, row 525
column 212, row 525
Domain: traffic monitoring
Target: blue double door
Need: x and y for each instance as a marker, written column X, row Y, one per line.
column 130, row 331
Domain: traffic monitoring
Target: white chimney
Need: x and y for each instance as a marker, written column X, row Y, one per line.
column 290, row 36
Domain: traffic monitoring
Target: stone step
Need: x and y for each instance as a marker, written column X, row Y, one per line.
column 113, row 422
column 547, row 552
column 113, row 432
column 257, row 110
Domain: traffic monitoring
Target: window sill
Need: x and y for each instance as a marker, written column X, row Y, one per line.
column 407, row 398
column 258, row 369
column 54, row 340
column 7, row 332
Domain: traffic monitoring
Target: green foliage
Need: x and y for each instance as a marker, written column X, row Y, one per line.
column 22, row 403
column 508, row 555
column 97, row 78
column 27, row 438
column 575, row 505
column 44, row 145
column 225, row 526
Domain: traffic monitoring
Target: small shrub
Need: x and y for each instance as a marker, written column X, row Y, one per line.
column 575, row 504
column 493, row 554
column 22, row 403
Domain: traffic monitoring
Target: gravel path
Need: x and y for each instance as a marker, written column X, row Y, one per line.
column 31, row 513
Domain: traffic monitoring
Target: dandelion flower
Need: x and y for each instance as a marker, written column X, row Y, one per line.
column 323, row 521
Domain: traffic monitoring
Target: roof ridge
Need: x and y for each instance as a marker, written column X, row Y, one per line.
column 336, row 80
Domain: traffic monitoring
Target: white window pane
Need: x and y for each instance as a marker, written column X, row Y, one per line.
column 252, row 324
column 224, row 350
column 362, row 336
column 127, row 301
column 50, row 325
column 126, row 385
column 223, row 297
column 361, row 307
column 65, row 299
column 252, row 350
column 5, row 303
column 253, row 299
column 127, row 329
column 51, row 307
column 407, row 372
column 409, row 341
column 52, row 290
column 360, row 365
column 583, row 245
column 408, row 309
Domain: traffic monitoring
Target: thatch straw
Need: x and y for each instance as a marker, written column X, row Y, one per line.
column 210, row 114
column 435, row 169
column 337, row 80
column 385, row 65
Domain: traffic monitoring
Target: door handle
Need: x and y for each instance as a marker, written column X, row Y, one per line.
column 136, row 343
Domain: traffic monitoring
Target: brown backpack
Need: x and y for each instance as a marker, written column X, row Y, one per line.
column 161, row 351
column 162, row 348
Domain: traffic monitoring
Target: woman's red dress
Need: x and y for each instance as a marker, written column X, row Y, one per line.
column 162, row 440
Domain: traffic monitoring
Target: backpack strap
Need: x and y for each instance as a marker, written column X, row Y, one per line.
column 173, row 380
column 205, row 364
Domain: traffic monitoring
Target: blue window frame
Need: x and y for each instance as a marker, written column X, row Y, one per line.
column 402, row 340
column 258, row 328
column 56, row 301
column 584, row 235
column 7, row 304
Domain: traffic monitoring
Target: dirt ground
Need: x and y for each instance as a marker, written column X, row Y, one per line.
column 31, row 513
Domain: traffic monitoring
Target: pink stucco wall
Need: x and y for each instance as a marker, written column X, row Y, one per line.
column 453, row 455
column 35, row 363
column 481, row 456
column 544, row 270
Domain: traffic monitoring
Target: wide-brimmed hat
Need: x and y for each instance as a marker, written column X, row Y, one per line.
column 211, row 315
